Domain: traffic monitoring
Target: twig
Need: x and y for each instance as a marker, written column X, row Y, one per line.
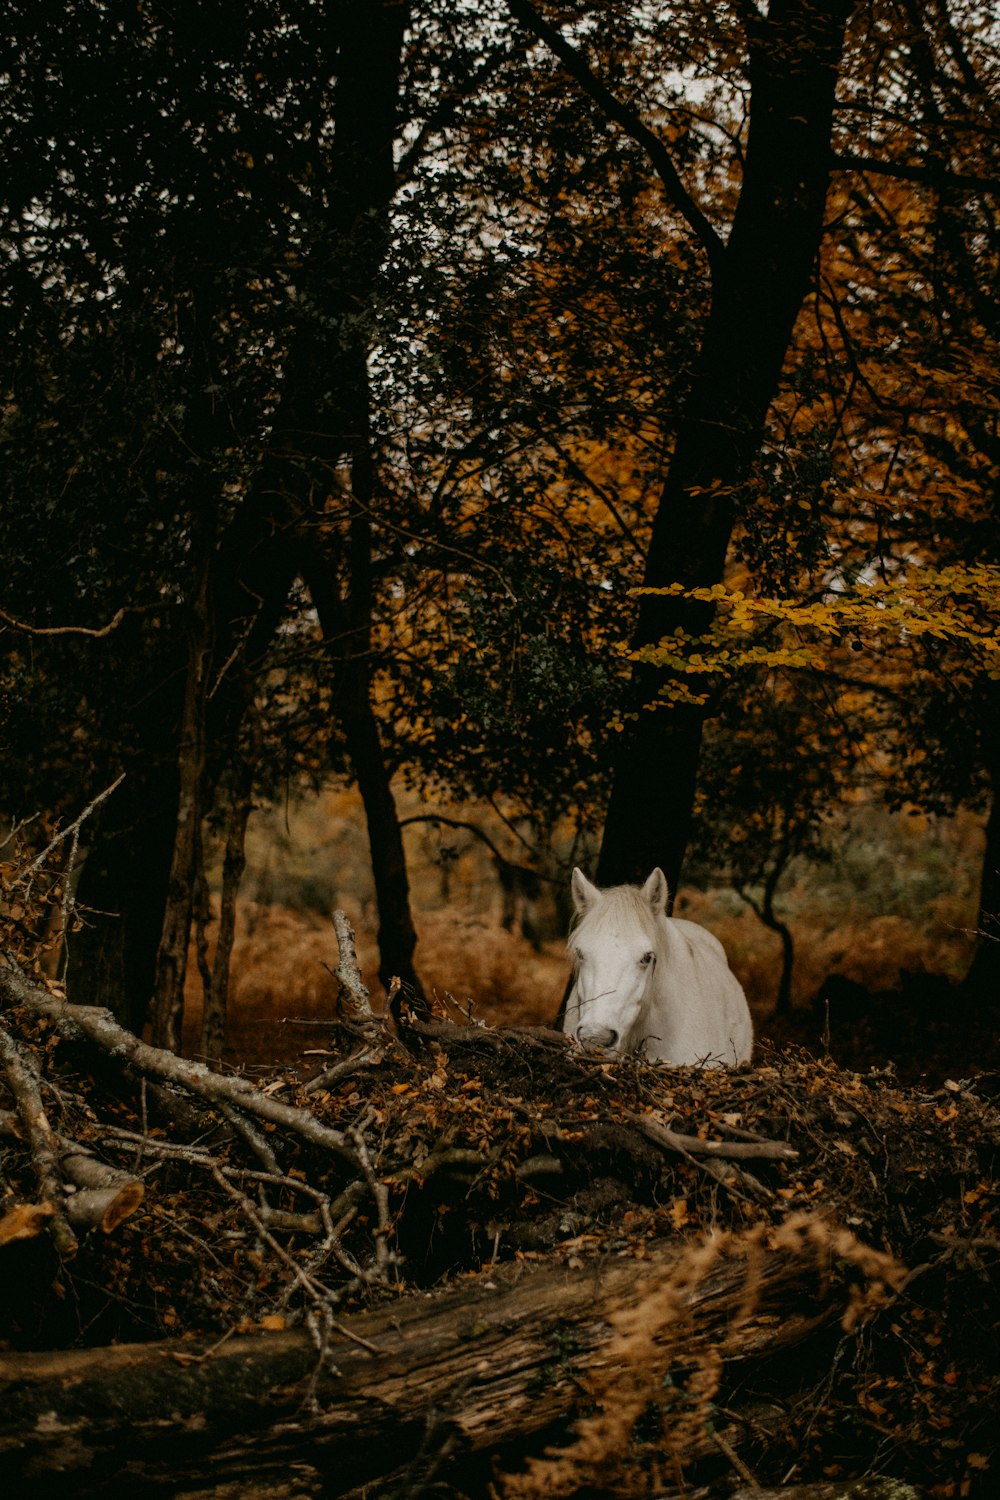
column 103, row 630
column 693, row 1145
column 258, row 1143
column 726, row 1448
column 380, row 1193
column 72, row 828
column 366, row 1057
column 323, row 1296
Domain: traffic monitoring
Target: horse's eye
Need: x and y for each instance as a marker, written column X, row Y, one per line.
column 646, row 960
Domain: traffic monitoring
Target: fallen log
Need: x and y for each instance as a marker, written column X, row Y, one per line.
column 465, row 1381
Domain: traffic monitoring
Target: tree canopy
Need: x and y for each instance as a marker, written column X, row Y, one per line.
column 491, row 396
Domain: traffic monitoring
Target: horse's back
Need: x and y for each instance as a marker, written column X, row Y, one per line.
column 720, row 1025
column 699, row 938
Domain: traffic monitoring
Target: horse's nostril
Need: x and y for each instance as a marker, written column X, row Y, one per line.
column 597, row 1036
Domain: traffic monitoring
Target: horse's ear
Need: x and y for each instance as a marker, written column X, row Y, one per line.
column 657, row 892
column 584, row 894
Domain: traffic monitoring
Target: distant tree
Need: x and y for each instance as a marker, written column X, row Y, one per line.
column 781, row 759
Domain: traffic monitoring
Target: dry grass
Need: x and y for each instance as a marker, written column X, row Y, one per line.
column 873, row 950
column 662, row 1330
column 282, row 989
column 475, row 959
column 899, row 897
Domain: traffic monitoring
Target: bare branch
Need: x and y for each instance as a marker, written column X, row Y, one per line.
column 41, row 1141
column 693, row 1145
column 932, row 175
column 72, row 828
column 100, row 1028
column 96, row 633
column 629, row 121
column 347, row 970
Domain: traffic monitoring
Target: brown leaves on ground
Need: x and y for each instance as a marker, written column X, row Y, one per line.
column 477, row 1146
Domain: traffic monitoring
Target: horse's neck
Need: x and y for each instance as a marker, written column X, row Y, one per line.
column 672, row 999
column 674, row 948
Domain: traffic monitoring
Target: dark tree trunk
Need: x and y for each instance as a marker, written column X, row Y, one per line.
column 764, row 909
column 982, row 982
column 371, row 41
column 759, row 281
column 136, row 877
column 171, row 958
column 397, row 938
column 215, row 978
column 122, row 890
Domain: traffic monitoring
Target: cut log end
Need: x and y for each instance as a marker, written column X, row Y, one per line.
column 25, row 1221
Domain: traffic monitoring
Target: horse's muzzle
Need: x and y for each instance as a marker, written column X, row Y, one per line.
column 597, row 1036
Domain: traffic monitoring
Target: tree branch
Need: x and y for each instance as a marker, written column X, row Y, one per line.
column 484, row 838
column 933, row 175
column 693, row 1145
column 629, row 121
column 41, row 1142
column 347, row 970
column 100, row 1028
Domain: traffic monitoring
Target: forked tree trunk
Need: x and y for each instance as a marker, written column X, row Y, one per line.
column 764, row 909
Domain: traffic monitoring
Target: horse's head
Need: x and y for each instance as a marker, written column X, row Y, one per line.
column 614, row 948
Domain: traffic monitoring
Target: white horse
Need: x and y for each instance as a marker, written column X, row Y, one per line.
column 646, row 980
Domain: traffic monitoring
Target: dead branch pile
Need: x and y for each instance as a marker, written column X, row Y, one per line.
column 490, row 1161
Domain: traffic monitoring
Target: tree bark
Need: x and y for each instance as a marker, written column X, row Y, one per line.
column 102, row 1197
column 471, row 1376
column 167, row 1000
column 397, row 937
column 122, row 892
column 758, row 283
column 982, row 982
column 764, row 909
column 215, row 976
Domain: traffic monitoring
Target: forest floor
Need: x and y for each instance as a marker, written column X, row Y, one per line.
column 450, row 1157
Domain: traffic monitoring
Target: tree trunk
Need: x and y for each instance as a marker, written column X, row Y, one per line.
column 982, row 982
column 397, row 938
column 458, row 1381
column 371, row 42
column 122, row 893
column 216, row 986
column 764, row 909
column 171, row 959
column 759, row 282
